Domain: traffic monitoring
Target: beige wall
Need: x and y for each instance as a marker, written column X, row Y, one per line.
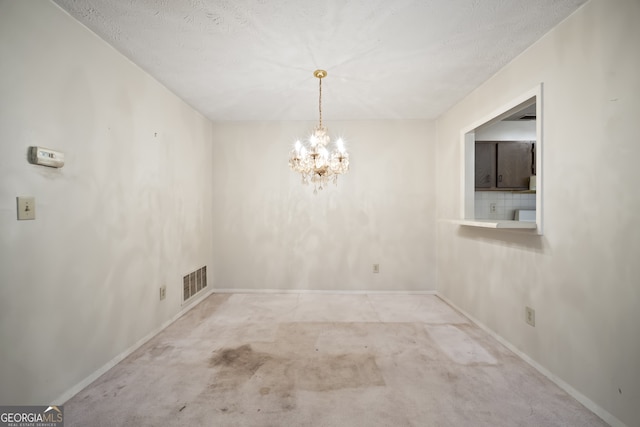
column 129, row 211
column 582, row 276
column 270, row 231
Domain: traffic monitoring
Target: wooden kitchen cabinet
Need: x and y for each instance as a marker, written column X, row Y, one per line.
column 485, row 165
column 504, row 165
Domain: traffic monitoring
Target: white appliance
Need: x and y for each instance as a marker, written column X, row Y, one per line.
column 527, row 215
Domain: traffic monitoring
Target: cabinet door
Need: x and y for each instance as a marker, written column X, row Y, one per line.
column 485, row 164
column 514, row 164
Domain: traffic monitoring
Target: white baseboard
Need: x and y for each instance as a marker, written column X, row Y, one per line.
column 327, row 292
column 588, row 403
column 60, row 400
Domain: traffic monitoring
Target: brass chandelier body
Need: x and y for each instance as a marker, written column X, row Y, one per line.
column 312, row 159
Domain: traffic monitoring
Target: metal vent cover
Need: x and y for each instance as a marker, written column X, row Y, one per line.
column 193, row 283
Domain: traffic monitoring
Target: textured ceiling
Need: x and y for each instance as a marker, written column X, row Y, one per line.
column 386, row 59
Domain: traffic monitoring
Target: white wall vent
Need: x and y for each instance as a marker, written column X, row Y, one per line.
column 193, row 283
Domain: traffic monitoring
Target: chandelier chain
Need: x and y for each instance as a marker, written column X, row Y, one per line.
column 320, row 102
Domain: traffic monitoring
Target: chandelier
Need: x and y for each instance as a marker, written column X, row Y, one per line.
column 313, row 160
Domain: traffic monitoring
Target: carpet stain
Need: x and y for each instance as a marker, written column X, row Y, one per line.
column 236, row 366
column 241, row 362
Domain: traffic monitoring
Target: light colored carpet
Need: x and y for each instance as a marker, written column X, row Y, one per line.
column 324, row 360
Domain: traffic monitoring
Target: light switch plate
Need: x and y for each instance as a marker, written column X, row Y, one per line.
column 26, row 208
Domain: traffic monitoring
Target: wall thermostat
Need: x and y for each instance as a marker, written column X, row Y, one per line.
column 46, row 157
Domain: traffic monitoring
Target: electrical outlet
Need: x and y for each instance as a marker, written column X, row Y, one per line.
column 163, row 292
column 376, row 268
column 493, row 208
column 530, row 316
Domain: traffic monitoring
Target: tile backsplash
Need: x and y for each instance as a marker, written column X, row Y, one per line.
column 506, row 204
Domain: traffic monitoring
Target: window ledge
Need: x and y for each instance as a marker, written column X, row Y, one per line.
column 496, row 223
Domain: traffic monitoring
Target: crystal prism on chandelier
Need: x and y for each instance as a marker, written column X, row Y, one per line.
column 313, row 160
